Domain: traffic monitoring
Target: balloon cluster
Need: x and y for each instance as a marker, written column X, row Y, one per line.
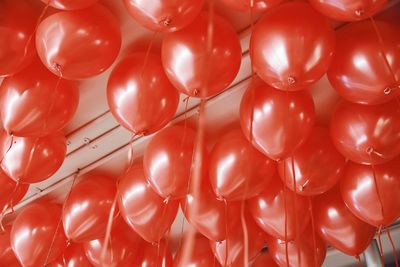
column 291, row 185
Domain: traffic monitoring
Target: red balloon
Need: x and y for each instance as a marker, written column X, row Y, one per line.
column 79, row 44
column 338, row 226
column 189, row 66
column 74, row 256
column 86, row 211
column 363, row 193
column 264, row 260
column 167, row 161
column 358, row 71
column 32, row 159
column 281, row 121
column 36, row 237
column 208, row 214
column 305, row 245
column 248, row 6
column 10, row 192
column 145, row 211
column 7, row 256
column 164, row 15
column 291, row 46
column 367, row 134
column 348, row 10
column 140, row 95
column 237, row 170
column 17, row 20
column 34, row 102
column 201, row 255
column 70, row 4
column 122, row 249
column 268, row 210
column 153, row 255
column 317, row 165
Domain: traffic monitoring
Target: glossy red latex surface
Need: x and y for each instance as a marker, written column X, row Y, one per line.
column 70, row 4
column 10, row 192
column 201, row 256
column 73, row 256
column 153, row 255
column 246, row 5
column 7, row 256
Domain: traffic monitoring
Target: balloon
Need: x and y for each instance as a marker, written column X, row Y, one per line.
column 317, row 165
column 32, row 159
column 348, row 10
column 168, row 159
column 209, row 215
column 237, row 170
column 248, row 6
column 305, row 245
column 17, row 20
column 70, row 4
column 121, row 251
column 235, row 244
column 281, row 121
column 264, row 260
column 86, row 211
column 363, row 193
column 79, row 44
column 10, row 192
column 358, row 71
column 164, row 15
column 140, row 95
column 367, row 134
column 268, row 210
column 36, row 237
column 74, row 256
column 143, row 210
column 34, row 102
column 201, row 255
column 7, row 256
column 337, row 226
column 196, row 69
column 153, row 255
column 291, row 46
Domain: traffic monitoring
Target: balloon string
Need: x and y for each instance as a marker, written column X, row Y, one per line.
column 59, row 221
column 296, row 221
column 245, row 235
column 108, row 229
column 396, row 259
column 376, row 186
column 380, row 246
column 226, row 233
column 11, row 137
column 148, row 50
column 313, row 231
column 9, row 204
column 165, row 203
column 358, row 261
column 286, row 217
column 31, row 154
column 131, row 153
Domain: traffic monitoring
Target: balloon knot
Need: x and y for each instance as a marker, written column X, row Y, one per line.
column 291, row 80
column 196, row 92
column 359, row 12
column 369, row 150
column 166, row 200
column 387, row 90
column 264, row 249
column 166, row 22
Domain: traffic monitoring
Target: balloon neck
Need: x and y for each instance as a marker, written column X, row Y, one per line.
column 369, row 150
column 166, row 22
column 57, row 67
column 264, row 250
column 291, row 80
column 359, row 12
column 196, row 92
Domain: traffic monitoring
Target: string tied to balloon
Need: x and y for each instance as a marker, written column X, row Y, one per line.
column 380, row 246
column 291, row 80
column 310, row 207
column 286, row 216
column 296, row 221
column 226, row 231
column 359, row 12
column 359, row 264
column 107, row 236
column 396, row 259
column 165, row 21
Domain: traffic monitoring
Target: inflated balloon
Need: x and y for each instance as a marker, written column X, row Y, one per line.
column 348, row 10
column 140, row 95
column 281, row 121
column 7, row 256
column 70, row 4
column 10, row 192
column 359, row 70
column 34, row 102
column 79, row 44
column 194, row 70
column 251, row 5
column 164, row 15
column 208, row 214
column 201, row 255
column 122, row 249
column 32, row 159
column 16, row 48
column 268, row 210
column 305, row 245
column 237, row 170
column 317, row 165
column 145, row 211
column 153, row 255
column 86, row 211
column 264, row 260
column 367, row 134
column 36, row 237
column 372, row 193
column 167, row 161
column 338, row 227
column 74, row 256
column 292, row 46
